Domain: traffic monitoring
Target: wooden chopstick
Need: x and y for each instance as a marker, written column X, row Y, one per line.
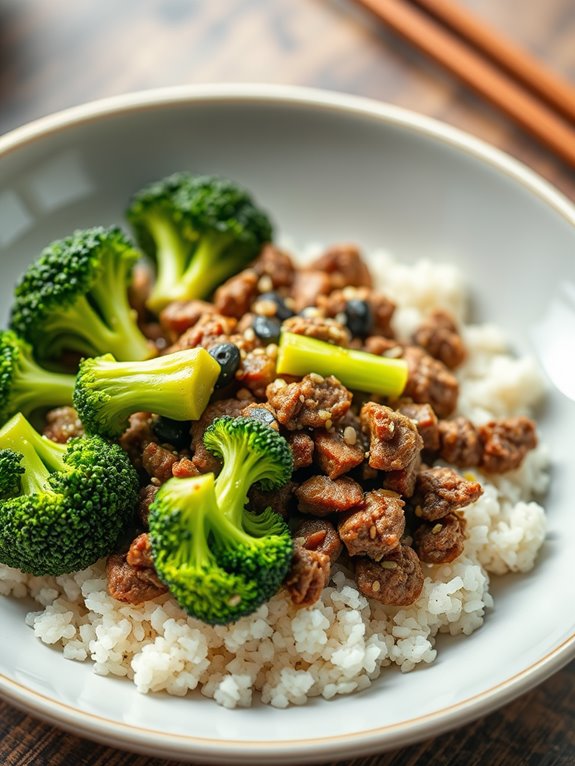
column 518, row 62
column 527, row 110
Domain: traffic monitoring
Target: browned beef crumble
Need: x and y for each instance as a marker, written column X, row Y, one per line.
column 131, row 576
column 158, row 461
column 376, row 529
column 459, row 443
column 302, row 448
column 505, row 443
column 307, row 286
column 63, row 424
column 312, row 402
column 403, row 480
column 439, row 337
column 394, row 439
column 179, row 316
column 203, row 460
column 441, row 490
column 308, row 576
column 257, row 370
column 344, row 265
column 380, row 306
column 184, row 468
column 235, row 296
column 321, row 328
column 279, row 500
column 425, row 420
column 137, row 436
column 440, row 542
column 319, row 535
column 208, row 331
column 275, row 264
column 396, row 580
column 145, row 500
column 320, row 496
column 381, row 345
column 334, row 455
column 429, row 381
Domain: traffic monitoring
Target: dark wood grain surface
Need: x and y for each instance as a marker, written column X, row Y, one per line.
column 64, row 52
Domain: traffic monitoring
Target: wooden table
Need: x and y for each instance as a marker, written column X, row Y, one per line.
column 63, row 52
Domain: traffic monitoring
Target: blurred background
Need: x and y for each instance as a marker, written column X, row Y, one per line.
column 64, row 52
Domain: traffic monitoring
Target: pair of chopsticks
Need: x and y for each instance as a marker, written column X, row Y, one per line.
column 503, row 73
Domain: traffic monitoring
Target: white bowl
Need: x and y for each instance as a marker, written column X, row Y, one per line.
column 329, row 168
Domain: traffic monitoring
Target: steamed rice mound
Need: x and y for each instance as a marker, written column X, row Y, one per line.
column 342, row 643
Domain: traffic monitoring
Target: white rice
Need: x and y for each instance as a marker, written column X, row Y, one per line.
column 343, row 642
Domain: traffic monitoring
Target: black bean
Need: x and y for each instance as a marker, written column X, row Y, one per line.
column 282, row 311
column 227, row 355
column 174, row 432
column 358, row 317
column 267, row 328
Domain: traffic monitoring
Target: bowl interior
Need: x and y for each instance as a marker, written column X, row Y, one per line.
column 326, row 174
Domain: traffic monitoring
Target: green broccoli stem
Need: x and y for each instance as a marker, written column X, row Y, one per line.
column 192, row 501
column 176, row 386
column 34, row 387
column 239, row 472
column 123, row 339
column 208, row 267
column 358, row 370
column 171, row 260
column 41, row 456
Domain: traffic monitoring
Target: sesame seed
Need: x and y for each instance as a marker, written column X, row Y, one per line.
column 313, row 376
column 258, row 352
column 348, row 293
column 265, row 284
column 436, row 529
column 389, row 564
column 324, row 414
column 155, row 481
column 280, row 383
column 235, row 600
column 272, row 350
column 249, row 334
column 301, row 397
column 394, row 353
column 334, row 333
column 340, row 317
column 350, row 435
column 328, row 424
column 310, row 312
column 265, row 308
column 373, row 532
column 376, row 586
column 290, row 303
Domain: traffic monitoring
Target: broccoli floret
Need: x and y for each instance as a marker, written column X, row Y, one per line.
column 199, row 230
column 62, row 506
column 24, row 385
column 219, row 560
column 75, row 298
column 177, row 386
column 358, row 370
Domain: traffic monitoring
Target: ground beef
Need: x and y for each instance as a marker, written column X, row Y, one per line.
column 277, row 266
column 184, row 468
column 302, row 448
column 145, row 500
column 394, row 439
column 313, row 402
column 137, row 436
column 139, row 291
column 308, row 575
column 140, row 552
column 383, row 346
column 426, row 421
column 132, row 584
column 158, row 461
column 235, row 296
column 179, row 316
column 63, row 424
column 257, row 370
column 429, row 381
column 505, row 443
column 344, row 265
column 307, row 286
column 319, row 535
column 334, row 455
column 441, row 490
column 442, row 541
column 279, row 500
column 203, row 460
column 439, row 336
column 320, row 496
column 459, row 443
column 403, row 480
column 208, row 331
column 376, row 529
column 321, row 328
column 397, row 580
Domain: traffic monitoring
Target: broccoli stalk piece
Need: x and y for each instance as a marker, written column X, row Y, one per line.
column 358, row 370
column 24, row 385
column 75, row 298
column 219, row 560
column 176, row 386
column 62, row 507
column 199, row 230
